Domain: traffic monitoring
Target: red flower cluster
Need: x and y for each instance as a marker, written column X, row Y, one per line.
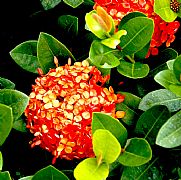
column 60, row 109
column 164, row 32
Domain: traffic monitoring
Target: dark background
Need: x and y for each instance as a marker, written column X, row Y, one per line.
column 23, row 20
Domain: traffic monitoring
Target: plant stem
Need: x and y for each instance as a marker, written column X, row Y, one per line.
column 130, row 58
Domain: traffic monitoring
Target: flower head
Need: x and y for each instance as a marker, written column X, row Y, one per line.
column 164, row 32
column 60, row 109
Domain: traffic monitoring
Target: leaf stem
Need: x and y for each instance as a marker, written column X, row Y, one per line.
column 130, row 58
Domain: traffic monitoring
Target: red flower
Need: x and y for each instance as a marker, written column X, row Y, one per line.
column 164, row 32
column 60, row 109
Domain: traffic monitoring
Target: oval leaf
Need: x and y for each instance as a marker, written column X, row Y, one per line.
column 133, row 70
column 162, row 8
column 49, row 4
column 103, row 143
column 20, row 125
column 89, row 169
column 16, row 100
column 176, row 89
column 151, row 121
column 50, row 173
column 102, row 56
column 1, row 161
column 73, row 3
column 5, row 176
column 104, row 121
column 6, row 84
column 48, row 47
column 26, row 178
column 25, row 55
column 169, row 136
column 139, row 33
column 137, row 153
column 6, row 122
column 177, row 68
column 161, row 97
column 69, row 24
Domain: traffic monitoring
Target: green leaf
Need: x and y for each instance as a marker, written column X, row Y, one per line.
column 1, row 161
column 48, row 47
column 73, row 3
column 161, row 97
column 139, row 33
column 6, row 84
column 69, row 24
column 133, row 70
column 104, row 121
column 170, row 64
column 129, row 16
column 177, row 68
column 129, row 113
column 90, row 170
column 162, row 8
column 25, row 55
column 166, row 78
column 17, row 100
column 137, row 153
column 20, row 125
column 26, row 178
column 50, row 173
column 103, row 143
column 49, row 4
column 151, row 121
column 6, row 122
column 176, row 89
column 102, row 56
column 145, row 171
column 141, row 54
column 169, row 135
column 5, row 176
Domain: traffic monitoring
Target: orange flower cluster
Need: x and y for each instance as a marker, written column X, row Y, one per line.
column 164, row 32
column 60, row 109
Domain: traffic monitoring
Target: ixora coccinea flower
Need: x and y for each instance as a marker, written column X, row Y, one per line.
column 60, row 109
column 164, row 32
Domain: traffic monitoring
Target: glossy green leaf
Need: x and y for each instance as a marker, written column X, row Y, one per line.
column 129, row 16
column 104, row 121
column 141, row 54
column 170, row 64
column 48, row 47
column 25, row 55
column 139, row 33
column 6, row 122
column 50, row 173
column 90, row 170
column 151, row 121
column 102, row 56
column 166, row 78
column 133, row 70
column 143, row 172
column 73, row 3
column 17, row 100
column 20, row 125
column 161, row 97
column 1, row 161
column 130, row 114
column 69, row 24
column 6, row 84
column 169, row 136
column 177, row 68
column 26, row 178
column 103, row 143
column 114, row 40
column 162, row 8
column 5, row 176
column 176, row 89
column 49, row 4
column 137, row 152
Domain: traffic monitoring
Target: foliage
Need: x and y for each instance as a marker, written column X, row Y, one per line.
column 135, row 146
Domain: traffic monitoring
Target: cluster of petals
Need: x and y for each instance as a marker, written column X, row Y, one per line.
column 61, row 105
column 164, row 32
